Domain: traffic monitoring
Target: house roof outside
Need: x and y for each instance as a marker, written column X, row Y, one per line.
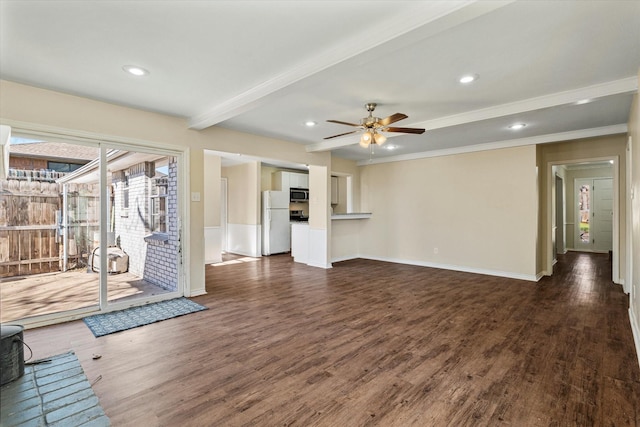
column 55, row 151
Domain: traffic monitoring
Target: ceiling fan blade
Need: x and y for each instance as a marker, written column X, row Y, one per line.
column 392, row 119
column 404, row 130
column 342, row 123
column 341, row 134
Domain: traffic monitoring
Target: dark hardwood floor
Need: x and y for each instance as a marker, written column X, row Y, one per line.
column 372, row 343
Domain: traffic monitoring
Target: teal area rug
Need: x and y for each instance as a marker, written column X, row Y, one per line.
column 52, row 392
column 116, row 321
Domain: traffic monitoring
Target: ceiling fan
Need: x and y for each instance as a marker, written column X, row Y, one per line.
column 372, row 127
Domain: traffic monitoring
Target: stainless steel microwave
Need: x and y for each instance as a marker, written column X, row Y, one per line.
column 299, row 195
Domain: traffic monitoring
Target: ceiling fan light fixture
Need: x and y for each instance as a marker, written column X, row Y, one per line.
column 379, row 138
column 367, row 136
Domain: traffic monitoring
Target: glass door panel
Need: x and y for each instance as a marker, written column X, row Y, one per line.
column 47, row 230
column 142, row 231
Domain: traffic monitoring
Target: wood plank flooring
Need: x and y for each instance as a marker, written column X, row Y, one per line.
column 373, row 343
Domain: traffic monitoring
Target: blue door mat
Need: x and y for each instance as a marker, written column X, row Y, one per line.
column 52, row 392
column 116, row 321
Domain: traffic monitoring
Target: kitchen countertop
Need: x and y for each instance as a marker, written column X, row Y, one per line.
column 354, row 215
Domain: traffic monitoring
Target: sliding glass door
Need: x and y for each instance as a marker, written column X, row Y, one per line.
column 92, row 227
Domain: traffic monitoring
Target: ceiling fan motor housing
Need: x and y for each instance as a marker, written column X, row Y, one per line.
column 369, row 122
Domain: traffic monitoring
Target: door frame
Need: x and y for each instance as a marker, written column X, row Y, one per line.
column 550, row 182
column 224, row 213
column 54, row 134
column 560, row 246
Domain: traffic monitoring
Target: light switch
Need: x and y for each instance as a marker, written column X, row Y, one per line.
column 195, row 196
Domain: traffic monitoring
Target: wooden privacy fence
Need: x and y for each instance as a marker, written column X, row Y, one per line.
column 30, row 234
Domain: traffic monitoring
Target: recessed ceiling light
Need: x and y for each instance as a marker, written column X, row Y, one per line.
column 390, row 147
column 583, row 101
column 468, row 78
column 517, row 126
column 310, row 123
column 135, row 70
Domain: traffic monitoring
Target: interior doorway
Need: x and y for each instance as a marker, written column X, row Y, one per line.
column 571, row 173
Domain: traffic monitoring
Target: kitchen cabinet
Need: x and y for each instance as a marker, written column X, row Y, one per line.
column 284, row 181
column 298, row 180
column 280, row 181
column 300, row 242
column 334, row 190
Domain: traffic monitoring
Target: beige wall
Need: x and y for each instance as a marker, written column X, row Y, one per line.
column 243, row 183
column 211, row 198
column 230, row 141
column 574, row 151
column 265, row 177
column 478, row 211
column 319, row 191
column 343, row 168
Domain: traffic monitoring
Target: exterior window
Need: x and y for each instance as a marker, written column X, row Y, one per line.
column 159, row 205
column 125, row 192
column 63, row 167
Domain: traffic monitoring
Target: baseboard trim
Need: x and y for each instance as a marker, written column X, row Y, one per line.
column 197, row 293
column 327, row 266
column 635, row 329
column 344, row 258
column 497, row 273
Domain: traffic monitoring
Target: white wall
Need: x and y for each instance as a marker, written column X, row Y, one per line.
column 634, row 196
column 471, row 212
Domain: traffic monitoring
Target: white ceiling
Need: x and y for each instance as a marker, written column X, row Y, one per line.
column 266, row 67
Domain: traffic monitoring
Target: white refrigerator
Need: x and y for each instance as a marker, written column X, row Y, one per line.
column 276, row 231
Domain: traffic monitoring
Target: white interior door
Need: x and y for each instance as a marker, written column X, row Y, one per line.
column 602, row 214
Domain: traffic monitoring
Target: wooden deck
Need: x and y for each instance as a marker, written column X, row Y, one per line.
column 26, row 296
